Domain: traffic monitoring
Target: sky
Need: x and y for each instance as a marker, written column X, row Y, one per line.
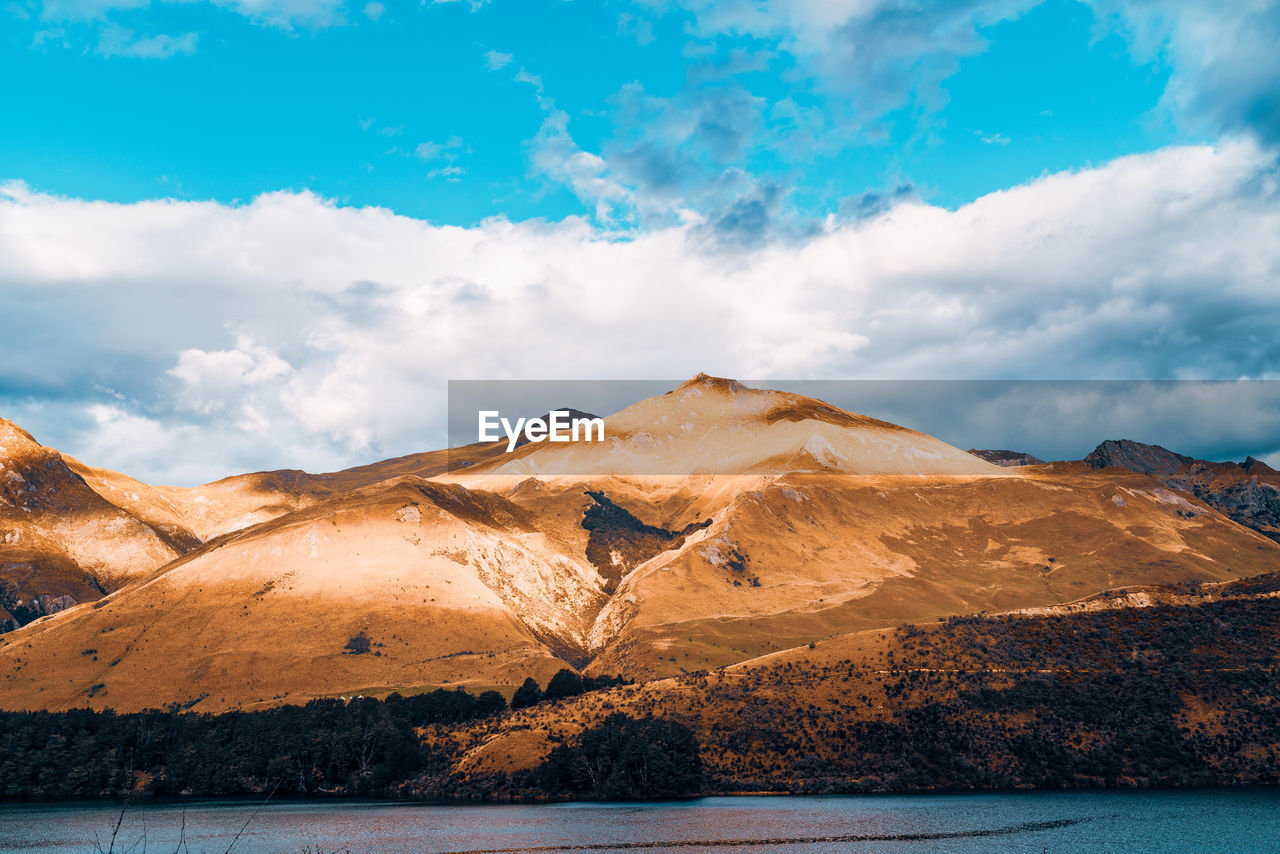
column 250, row 234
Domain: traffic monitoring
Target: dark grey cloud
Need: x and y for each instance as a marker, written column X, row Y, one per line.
column 899, row 53
column 875, row 202
column 678, row 147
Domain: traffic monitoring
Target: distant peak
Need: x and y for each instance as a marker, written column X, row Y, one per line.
column 1254, row 465
column 1138, row 457
column 1006, row 458
column 706, row 381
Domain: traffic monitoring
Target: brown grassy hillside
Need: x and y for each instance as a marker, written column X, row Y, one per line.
column 1177, row 691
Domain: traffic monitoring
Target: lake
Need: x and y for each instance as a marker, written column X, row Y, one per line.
column 1246, row 820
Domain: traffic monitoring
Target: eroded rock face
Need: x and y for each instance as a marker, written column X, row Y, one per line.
column 1247, row 492
column 619, row 542
column 1251, row 503
column 27, row 594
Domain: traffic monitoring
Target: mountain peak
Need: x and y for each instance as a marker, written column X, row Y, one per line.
column 1253, row 465
column 1138, row 457
column 9, row 432
column 716, row 425
column 704, row 381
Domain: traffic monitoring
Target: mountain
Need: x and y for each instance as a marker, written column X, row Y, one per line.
column 1138, row 687
column 1007, row 458
column 715, row 524
column 71, row 532
column 716, row 426
column 809, row 555
column 430, row 576
column 1248, row 492
column 61, row 543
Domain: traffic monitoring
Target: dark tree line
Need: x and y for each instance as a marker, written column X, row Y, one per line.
column 563, row 685
column 364, row 746
column 623, row 758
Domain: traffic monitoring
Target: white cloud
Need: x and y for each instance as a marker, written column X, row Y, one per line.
column 293, row 332
column 886, row 54
column 84, row 10
column 1226, row 68
column 445, row 156
column 114, row 40
column 881, row 53
column 494, row 60
column 289, row 13
column 439, row 150
column 147, row 448
column 374, row 11
column 639, row 28
column 556, row 155
column 211, row 380
column 277, row 13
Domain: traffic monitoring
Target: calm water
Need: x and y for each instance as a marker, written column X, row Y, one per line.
column 1244, row 820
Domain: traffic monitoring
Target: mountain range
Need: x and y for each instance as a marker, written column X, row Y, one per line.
column 719, row 524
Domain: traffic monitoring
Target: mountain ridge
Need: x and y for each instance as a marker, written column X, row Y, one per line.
column 1248, row 492
column 483, row 576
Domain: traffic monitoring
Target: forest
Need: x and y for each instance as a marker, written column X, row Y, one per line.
column 1179, row 693
column 334, row 747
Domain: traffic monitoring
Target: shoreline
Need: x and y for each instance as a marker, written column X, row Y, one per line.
column 251, row 800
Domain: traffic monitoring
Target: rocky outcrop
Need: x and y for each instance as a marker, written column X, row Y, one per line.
column 1136, row 456
column 1247, row 492
column 27, row 593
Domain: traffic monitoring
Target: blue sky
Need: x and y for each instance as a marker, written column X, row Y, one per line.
column 253, row 234
column 427, row 109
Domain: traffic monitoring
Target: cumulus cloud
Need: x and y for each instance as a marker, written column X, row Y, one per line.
column 669, row 159
column 212, row 380
column 154, row 450
column 291, row 331
column 885, row 55
column 556, row 155
column 721, row 149
column 1226, row 68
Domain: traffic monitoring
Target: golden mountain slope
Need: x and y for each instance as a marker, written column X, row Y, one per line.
column 60, row 542
column 200, row 513
column 1013, row 695
column 711, row 425
column 830, row 523
column 807, row 556
column 428, row 573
